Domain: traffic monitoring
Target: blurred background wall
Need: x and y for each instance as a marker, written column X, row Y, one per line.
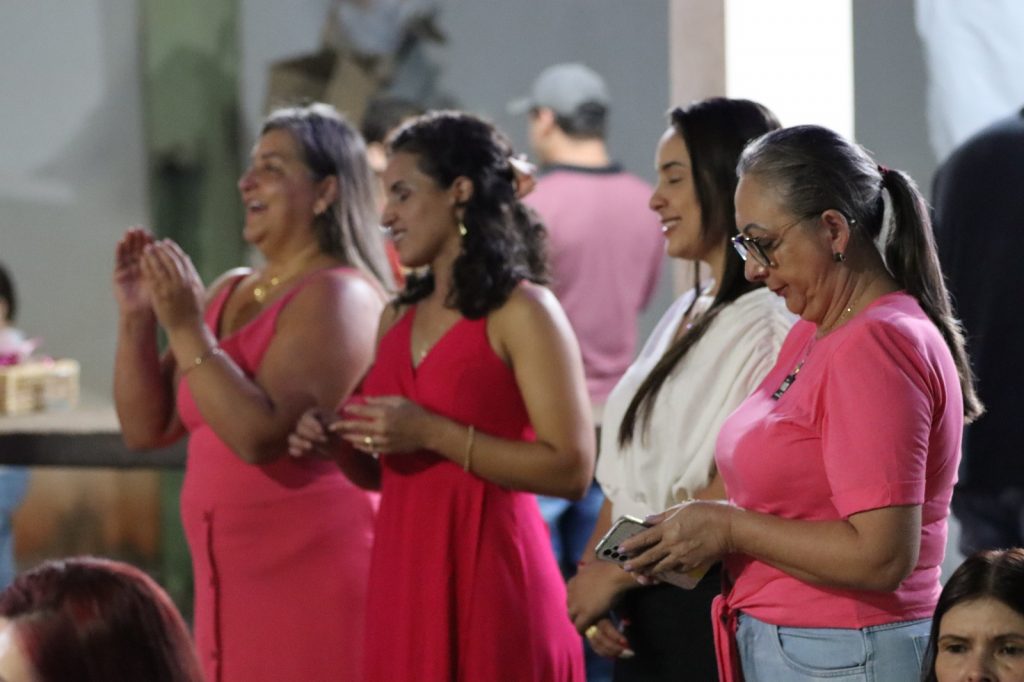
column 73, row 161
column 113, row 111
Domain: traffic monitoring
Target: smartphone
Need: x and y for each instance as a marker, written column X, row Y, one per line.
column 626, row 527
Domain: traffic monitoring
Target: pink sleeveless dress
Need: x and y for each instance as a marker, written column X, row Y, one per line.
column 280, row 552
column 463, row 582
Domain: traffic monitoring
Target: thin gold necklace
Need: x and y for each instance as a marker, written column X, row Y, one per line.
column 261, row 290
column 264, row 286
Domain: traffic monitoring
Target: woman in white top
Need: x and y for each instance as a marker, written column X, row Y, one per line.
column 711, row 348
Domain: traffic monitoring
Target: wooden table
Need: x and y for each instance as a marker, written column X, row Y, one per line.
column 88, row 436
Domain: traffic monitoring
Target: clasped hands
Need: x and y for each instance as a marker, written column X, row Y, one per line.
column 680, row 539
column 373, row 425
column 158, row 275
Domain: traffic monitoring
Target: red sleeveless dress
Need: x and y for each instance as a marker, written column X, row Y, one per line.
column 280, row 552
column 463, row 582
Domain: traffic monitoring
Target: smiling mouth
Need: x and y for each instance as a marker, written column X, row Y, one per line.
column 669, row 224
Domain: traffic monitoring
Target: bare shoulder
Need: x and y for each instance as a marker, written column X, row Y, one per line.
column 529, row 308
column 339, row 287
column 335, row 299
column 223, row 280
column 526, row 301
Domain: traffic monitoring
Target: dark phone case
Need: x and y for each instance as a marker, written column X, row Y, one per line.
column 626, row 527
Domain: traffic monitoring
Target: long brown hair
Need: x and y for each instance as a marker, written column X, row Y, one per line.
column 715, row 131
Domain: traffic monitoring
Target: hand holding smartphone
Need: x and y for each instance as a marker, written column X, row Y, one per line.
column 626, row 527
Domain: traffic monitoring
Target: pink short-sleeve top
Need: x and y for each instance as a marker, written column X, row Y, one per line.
column 874, row 419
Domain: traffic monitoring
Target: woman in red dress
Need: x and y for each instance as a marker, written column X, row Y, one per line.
column 475, row 402
column 279, row 546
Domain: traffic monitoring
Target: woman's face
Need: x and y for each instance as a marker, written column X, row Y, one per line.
column 281, row 196
column 675, row 199
column 982, row 639
column 419, row 213
column 802, row 269
column 14, row 665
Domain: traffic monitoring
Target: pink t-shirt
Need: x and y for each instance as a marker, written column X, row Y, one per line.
column 874, row 419
column 606, row 251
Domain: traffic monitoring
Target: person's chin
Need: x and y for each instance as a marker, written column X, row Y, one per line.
column 252, row 235
column 409, row 258
column 793, row 304
column 680, row 251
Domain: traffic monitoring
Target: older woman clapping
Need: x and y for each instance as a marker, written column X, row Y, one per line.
column 840, row 466
column 279, row 547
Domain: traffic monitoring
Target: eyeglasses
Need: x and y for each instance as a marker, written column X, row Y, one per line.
column 757, row 248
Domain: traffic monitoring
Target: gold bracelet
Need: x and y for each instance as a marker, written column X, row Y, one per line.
column 200, row 359
column 469, row 449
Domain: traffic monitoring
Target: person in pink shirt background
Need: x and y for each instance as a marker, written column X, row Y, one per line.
column 605, row 249
column 840, row 466
column 605, row 252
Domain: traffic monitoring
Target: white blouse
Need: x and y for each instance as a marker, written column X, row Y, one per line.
column 676, row 457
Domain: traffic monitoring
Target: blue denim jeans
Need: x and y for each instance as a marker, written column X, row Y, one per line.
column 571, row 524
column 883, row 653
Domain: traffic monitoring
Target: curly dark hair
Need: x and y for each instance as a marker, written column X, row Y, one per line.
column 505, row 241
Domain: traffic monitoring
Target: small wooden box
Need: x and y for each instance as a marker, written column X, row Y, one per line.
column 38, row 385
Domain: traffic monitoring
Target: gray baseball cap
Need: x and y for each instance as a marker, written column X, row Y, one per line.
column 563, row 88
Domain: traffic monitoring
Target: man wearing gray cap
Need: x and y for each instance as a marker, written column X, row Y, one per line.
column 605, row 245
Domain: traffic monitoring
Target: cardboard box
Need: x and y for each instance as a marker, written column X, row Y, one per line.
column 39, row 385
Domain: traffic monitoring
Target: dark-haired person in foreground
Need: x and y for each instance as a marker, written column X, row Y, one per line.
column 978, row 627
column 475, row 400
column 92, row 620
column 840, row 466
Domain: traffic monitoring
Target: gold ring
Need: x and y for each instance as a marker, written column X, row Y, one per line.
column 369, row 441
column 591, row 631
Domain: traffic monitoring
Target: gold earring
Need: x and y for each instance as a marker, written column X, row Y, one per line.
column 462, row 229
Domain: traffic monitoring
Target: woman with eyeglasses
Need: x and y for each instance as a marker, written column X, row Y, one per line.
column 840, row 466
column 708, row 352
